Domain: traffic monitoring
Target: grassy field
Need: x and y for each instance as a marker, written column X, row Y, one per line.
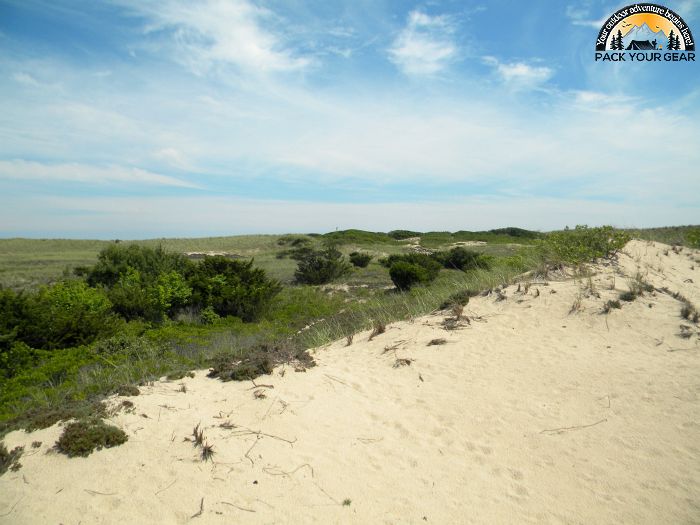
column 27, row 263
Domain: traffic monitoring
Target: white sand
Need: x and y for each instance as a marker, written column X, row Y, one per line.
column 465, row 434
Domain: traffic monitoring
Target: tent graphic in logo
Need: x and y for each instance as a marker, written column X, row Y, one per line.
column 645, row 27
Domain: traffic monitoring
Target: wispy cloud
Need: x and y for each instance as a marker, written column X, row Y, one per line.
column 215, row 32
column 24, row 170
column 520, row 75
column 426, row 45
column 580, row 15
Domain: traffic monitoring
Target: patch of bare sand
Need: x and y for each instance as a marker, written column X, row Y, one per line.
column 529, row 414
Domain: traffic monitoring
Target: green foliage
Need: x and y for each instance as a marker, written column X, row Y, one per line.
column 321, row 266
column 232, row 288
column 38, row 418
column 692, row 237
column 117, row 260
column 462, row 259
column 132, row 299
column 400, row 235
column 16, row 357
column 583, row 244
column 360, row 260
column 428, row 263
column 69, row 313
column 405, row 275
column 209, row 316
column 357, row 237
column 81, row 438
column 170, row 292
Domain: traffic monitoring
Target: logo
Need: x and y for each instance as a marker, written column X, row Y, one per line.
column 645, row 33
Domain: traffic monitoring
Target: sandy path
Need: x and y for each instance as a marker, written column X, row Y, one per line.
column 528, row 415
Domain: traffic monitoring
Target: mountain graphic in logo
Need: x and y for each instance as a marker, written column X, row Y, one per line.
column 640, row 34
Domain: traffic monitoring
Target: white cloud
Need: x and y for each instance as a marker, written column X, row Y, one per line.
column 579, row 15
column 26, row 79
column 426, row 45
column 211, row 32
column 520, row 75
column 73, row 172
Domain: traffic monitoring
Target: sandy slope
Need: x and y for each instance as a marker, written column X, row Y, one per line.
column 528, row 415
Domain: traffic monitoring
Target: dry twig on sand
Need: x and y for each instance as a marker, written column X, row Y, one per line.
column 561, row 430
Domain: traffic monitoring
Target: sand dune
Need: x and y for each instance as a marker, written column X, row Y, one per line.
column 529, row 414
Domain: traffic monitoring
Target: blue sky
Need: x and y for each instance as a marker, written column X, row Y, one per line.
column 135, row 119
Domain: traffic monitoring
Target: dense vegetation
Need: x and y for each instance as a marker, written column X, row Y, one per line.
column 141, row 311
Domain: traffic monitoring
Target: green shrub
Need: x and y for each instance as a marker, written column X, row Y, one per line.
column 321, row 266
column 67, row 314
column 116, row 260
column 360, row 260
column 426, row 262
column 17, row 357
column 404, row 275
column 209, row 316
column 583, row 244
column 81, row 438
column 232, row 288
column 356, row 237
column 462, row 259
column 400, row 235
column 692, row 237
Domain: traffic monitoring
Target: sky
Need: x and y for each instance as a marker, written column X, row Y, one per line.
column 138, row 119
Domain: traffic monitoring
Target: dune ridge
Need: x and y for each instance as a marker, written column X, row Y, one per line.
column 537, row 408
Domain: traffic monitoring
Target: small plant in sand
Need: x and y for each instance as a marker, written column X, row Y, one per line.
column 689, row 312
column 628, row 296
column 128, row 390
column 9, row 460
column 207, row 452
column 576, row 306
column 348, row 339
column 197, row 438
column 182, row 388
column 81, row 438
column 638, row 285
column 611, row 305
column 347, row 502
column 378, row 329
column 437, row 342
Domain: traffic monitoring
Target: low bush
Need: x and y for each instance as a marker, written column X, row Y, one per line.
column 405, row 275
column 360, row 260
column 321, row 266
column 426, row 262
column 81, row 438
column 400, row 235
column 232, row 288
column 462, row 259
column 261, row 360
column 67, row 314
column 582, row 244
column 116, row 260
